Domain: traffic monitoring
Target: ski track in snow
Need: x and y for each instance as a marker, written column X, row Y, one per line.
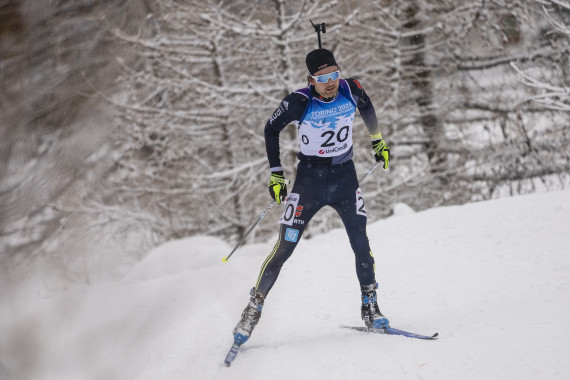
column 491, row 277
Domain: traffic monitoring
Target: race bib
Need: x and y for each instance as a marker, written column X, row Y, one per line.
column 360, row 209
column 326, row 130
column 290, row 210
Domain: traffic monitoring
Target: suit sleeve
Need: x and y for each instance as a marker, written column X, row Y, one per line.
column 290, row 110
column 366, row 109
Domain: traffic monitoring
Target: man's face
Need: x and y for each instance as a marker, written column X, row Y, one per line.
column 329, row 89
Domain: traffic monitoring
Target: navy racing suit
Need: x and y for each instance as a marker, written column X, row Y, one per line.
column 325, row 173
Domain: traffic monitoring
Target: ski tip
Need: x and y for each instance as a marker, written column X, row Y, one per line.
column 435, row 335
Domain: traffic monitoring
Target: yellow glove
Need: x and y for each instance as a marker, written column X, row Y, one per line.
column 277, row 186
column 381, row 152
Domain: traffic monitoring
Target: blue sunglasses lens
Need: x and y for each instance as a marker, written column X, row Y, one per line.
column 325, row 77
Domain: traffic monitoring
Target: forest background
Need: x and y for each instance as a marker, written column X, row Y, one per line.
column 128, row 123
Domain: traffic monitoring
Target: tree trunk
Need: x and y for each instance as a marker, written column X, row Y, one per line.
column 419, row 75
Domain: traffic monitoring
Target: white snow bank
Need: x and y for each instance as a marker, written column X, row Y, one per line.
column 179, row 256
column 490, row 277
column 402, row 209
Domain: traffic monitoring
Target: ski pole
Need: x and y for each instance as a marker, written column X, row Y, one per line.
column 368, row 172
column 225, row 259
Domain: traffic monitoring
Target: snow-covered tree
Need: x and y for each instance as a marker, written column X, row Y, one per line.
column 208, row 75
column 551, row 88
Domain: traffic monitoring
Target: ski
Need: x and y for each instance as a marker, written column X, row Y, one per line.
column 391, row 331
column 232, row 354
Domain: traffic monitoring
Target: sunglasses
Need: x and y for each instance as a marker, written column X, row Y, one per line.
column 324, row 78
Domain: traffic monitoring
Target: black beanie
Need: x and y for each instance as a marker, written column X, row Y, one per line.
column 319, row 59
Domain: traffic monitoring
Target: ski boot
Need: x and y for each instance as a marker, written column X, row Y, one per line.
column 370, row 311
column 249, row 317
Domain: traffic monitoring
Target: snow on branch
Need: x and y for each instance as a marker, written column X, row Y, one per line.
column 549, row 6
column 551, row 96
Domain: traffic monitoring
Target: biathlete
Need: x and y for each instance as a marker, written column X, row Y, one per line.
column 324, row 114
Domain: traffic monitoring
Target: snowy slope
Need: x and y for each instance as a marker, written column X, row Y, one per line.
column 492, row 278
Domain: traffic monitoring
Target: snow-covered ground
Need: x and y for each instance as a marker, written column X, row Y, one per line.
column 492, row 278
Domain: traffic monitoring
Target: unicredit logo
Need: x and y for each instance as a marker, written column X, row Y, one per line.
column 334, row 150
